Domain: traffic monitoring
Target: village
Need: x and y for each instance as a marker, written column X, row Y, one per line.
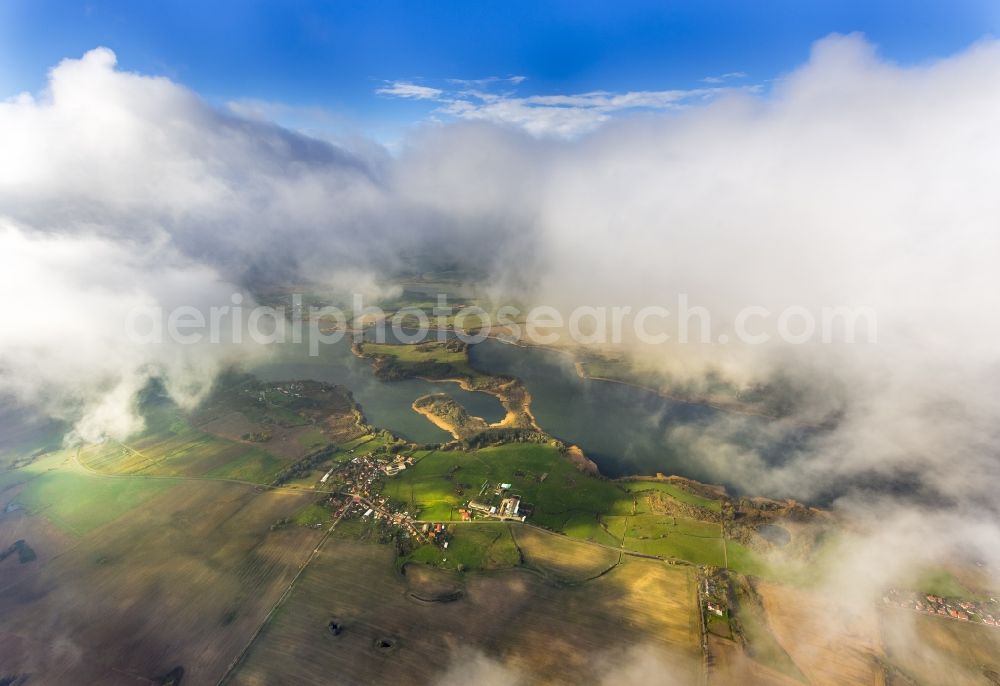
column 356, row 484
column 361, row 477
column 362, row 474
column 962, row 610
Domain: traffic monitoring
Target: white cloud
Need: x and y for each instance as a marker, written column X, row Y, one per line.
column 560, row 116
column 569, row 116
column 855, row 182
column 488, row 81
column 402, row 89
column 644, row 664
column 728, row 76
column 119, row 190
column 63, row 341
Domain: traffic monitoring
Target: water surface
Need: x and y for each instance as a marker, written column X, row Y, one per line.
column 386, row 404
column 625, row 430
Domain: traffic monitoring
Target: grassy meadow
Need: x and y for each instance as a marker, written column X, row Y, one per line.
column 473, row 547
column 566, row 500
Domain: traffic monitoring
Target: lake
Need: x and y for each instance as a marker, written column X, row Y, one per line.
column 386, row 405
column 624, row 429
column 621, row 428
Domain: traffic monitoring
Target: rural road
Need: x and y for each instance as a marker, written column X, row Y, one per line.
column 284, row 596
column 291, row 584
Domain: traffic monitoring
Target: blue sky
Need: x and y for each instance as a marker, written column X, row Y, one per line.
column 325, row 61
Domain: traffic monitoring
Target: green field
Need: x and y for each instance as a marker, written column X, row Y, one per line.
column 672, row 490
column 78, row 503
column 472, row 547
column 590, row 527
column 746, row 561
column 679, row 537
column 313, row 439
column 24, row 437
column 434, row 360
column 181, row 450
column 257, row 466
column 566, row 500
column 418, row 353
column 448, row 479
column 311, row 515
column 358, row 442
column 940, row 581
column 666, row 536
column 692, row 549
